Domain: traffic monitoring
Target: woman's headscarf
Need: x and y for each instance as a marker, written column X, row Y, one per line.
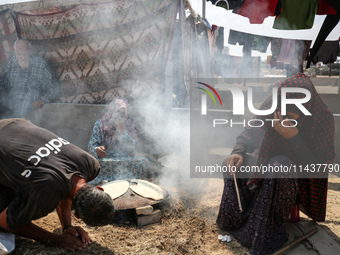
column 107, row 125
column 317, row 131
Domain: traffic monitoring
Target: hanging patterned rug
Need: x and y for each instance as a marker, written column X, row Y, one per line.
column 102, row 50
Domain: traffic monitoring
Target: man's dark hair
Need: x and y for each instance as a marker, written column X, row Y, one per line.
column 93, row 206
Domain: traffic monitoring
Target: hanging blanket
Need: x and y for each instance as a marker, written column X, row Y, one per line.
column 8, row 36
column 106, row 49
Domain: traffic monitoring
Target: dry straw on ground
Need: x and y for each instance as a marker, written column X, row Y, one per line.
column 188, row 227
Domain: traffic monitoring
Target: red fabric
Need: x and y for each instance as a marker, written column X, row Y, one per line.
column 325, row 8
column 295, row 214
column 317, row 131
column 257, row 10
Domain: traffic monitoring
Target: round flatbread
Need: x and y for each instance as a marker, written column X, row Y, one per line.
column 116, row 188
column 147, row 189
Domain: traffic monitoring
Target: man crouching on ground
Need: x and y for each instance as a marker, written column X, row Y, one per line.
column 40, row 172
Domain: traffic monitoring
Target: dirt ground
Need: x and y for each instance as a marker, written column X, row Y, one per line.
column 187, row 227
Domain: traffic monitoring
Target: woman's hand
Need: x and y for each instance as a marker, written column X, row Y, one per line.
column 288, row 131
column 101, row 153
column 234, row 160
column 38, row 103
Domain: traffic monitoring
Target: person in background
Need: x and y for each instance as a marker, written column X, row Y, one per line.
column 26, row 83
column 114, row 142
column 267, row 200
column 41, row 172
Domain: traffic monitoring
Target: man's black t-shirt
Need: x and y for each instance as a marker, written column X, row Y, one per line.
column 38, row 167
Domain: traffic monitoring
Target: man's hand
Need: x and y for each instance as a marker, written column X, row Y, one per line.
column 287, row 132
column 80, row 233
column 68, row 241
column 101, row 153
column 38, row 104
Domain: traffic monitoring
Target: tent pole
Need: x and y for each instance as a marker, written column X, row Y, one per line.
column 203, row 9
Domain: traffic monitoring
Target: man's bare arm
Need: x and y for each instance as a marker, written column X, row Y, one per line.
column 66, row 240
column 64, row 214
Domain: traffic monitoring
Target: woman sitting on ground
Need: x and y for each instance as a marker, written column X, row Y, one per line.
column 267, row 200
column 114, row 142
